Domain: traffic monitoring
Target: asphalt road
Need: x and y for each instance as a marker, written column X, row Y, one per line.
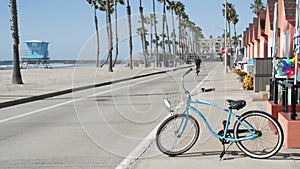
column 95, row 128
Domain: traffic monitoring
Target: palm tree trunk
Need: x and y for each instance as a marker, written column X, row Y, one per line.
column 97, row 37
column 130, row 33
column 183, row 42
column 169, row 44
column 155, row 34
column 180, row 41
column 106, row 60
column 174, row 38
column 109, row 35
column 235, row 45
column 16, row 77
column 116, row 33
column 143, row 34
column 163, row 32
column 167, row 29
column 230, row 46
column 151, row 39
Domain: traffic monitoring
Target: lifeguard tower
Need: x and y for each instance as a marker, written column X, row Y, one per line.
column 37, row 54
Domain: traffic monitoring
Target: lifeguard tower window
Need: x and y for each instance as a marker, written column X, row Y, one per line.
column 36, row 53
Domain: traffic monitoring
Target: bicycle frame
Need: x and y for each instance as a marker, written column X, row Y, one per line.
column 229, row 112
column 229, row 115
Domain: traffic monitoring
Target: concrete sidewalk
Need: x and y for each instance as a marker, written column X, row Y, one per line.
column 205, row 153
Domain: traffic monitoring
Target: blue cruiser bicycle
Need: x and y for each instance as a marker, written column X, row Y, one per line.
column 256, row 133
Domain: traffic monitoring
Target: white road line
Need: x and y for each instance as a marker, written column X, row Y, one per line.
column 33, row 112
column 130, row 160
column 68, row 102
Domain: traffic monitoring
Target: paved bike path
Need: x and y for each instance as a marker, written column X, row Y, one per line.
column 78, row 78
column 205, row 153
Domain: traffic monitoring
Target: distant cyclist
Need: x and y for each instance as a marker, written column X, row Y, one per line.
column 197, row 63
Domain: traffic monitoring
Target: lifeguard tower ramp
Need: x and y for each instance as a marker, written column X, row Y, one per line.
column 36, row 53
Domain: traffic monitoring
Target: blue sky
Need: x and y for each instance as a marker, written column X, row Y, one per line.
column 69, row 27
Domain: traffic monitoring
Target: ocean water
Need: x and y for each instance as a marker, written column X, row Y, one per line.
column 8, row 65
column 4, row 65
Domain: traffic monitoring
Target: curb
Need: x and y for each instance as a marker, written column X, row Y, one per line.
column 53, row 94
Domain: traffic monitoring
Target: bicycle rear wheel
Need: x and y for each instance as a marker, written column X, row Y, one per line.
column 269, row 134
column 177, row 134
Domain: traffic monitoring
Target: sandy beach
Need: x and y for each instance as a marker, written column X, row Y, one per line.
column 40, row 81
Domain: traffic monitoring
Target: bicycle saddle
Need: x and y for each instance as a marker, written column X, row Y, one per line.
column 236, row 104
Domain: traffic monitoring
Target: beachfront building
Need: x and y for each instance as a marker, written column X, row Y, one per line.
column 250, row 43
column 255, row 40
column 269, row 26
column 286, row 21
column 262, row 37
column 285, row 112
column 258, row 36
column 210, row 47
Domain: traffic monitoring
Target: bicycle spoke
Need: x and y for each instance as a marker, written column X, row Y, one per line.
column 269, row 135
column 170, row 142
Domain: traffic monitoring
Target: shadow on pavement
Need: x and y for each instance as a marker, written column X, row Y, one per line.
column 230, row 155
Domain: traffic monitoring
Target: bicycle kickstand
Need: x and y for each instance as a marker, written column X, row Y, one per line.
column 224, row 150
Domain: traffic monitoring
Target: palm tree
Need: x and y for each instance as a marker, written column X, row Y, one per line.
column 230, row 14
column 235, row 20
column 179, row 9
column 190, row 36
column 257, row 6
column 105, row 5
column 16, row 77
column 165, row 24
column 150, row 21
column 95, row 6
column 171, row 7
column 197, row 34
column 109, row 34
column 116, row 27
column 143, row 33
column 130, row 32
column 183, row 17
column 186, row 23
column 155, row 33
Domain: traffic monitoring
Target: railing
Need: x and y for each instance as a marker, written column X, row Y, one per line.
column 285, row 84
column 294, row 97
column 274, row 88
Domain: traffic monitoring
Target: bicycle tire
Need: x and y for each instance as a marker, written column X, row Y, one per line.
column 167, row 139
column 270, row 135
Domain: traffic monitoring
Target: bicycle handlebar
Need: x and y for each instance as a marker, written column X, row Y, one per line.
column 188, row 71
column 203, row 90
column 182, row 81
column 207, row 90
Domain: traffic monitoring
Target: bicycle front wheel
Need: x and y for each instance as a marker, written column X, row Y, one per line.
column 269, row 133
column 177, row 134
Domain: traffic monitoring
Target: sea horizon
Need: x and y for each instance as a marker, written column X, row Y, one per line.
column 8, row 64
